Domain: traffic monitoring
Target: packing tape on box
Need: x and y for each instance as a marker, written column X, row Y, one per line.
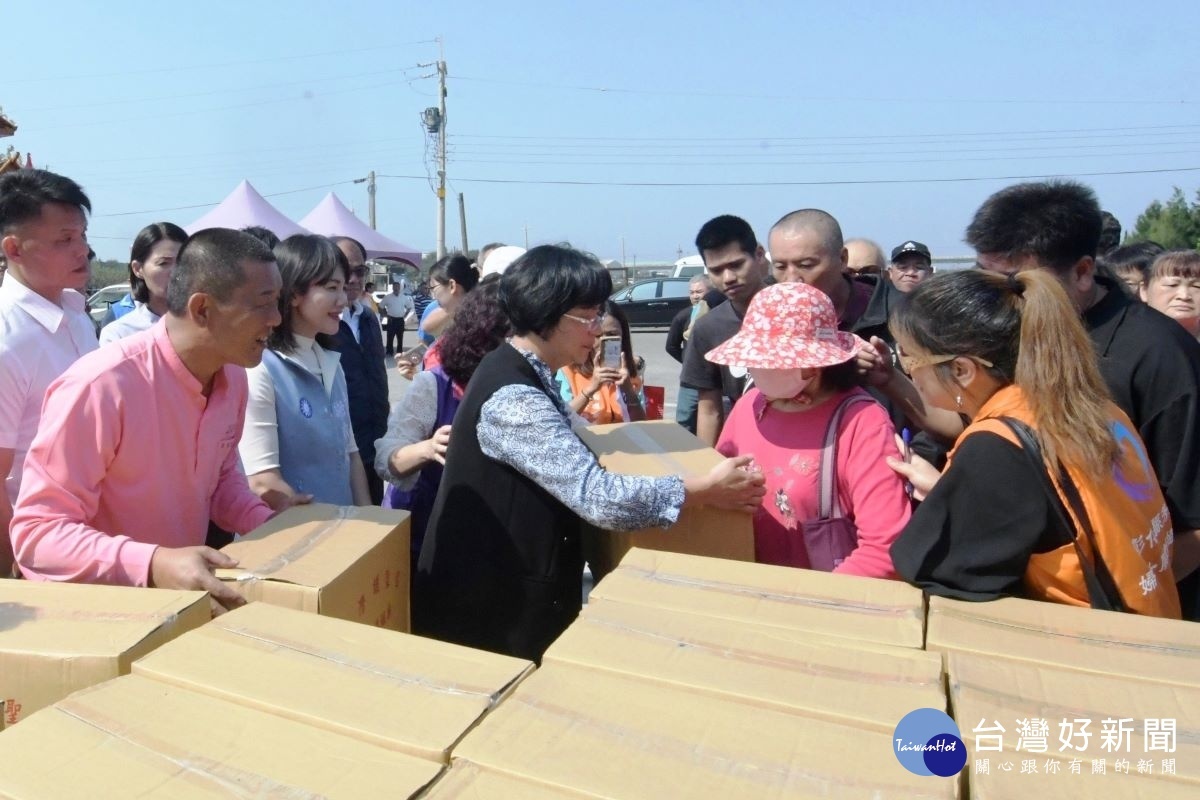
column 646, row 444
column 793, row 665
column 775, row 778
column 1048, row 710
column 1099, row 639
column 14, row 614
column 656, row 576
column 368, row 667
column 233, row 781
column 300, row 547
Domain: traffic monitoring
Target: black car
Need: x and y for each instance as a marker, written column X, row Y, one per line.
column 653, row 303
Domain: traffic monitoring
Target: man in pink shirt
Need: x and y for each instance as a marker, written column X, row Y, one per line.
column 43, row 325
column 137, row 447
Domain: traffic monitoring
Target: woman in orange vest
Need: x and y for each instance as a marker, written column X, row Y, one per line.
column 1048, row 493
column 600, row 394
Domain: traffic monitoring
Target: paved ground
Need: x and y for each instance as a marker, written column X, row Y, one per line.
column 661, row 369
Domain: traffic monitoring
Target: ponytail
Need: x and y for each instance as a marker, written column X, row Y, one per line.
column 1026, row 328
column 1057, row 371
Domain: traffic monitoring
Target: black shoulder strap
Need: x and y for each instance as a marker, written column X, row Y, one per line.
column 1102, row 589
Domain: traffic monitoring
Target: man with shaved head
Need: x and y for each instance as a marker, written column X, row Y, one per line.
column 806, row 247
column 864, row 257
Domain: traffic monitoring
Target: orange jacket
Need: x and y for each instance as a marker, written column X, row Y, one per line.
column 1129, row 517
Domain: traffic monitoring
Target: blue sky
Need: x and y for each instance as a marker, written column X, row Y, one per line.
column 157, row 106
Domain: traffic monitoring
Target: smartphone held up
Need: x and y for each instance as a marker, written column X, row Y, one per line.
column 610, row 352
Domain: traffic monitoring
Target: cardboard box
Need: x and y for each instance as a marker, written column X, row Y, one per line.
column 663, row 448
column 467, row 781
column 349, row 562
column 1000, row 785
column 767, row 667
column 1082, row 639
column 134, row 737
column 841, row 606
column 398, row 691
column 56, row 638
column 987, row 691
column 610, row 736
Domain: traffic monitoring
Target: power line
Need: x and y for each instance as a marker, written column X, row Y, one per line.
column 836, row 154
column 221, row 65
column 875, row 181
column 856, row 163
column 767, row 147
column 855, row 137
column 177, row 96
column 206, row 205
column 818, row 99
column 195, row 111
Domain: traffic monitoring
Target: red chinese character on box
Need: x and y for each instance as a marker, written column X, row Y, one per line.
column 12, row 711
column 375, row 585
column 362, row 605
column 387, row 579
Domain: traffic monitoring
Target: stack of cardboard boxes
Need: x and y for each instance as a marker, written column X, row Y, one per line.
column 685, row 676
column 1119, row 695
column 58, row 638
column 264, row 701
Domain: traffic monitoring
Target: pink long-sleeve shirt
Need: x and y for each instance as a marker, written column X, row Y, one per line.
column 787, row 447
column 130, row 456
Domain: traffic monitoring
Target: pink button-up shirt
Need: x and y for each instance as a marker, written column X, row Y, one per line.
column 130, row 456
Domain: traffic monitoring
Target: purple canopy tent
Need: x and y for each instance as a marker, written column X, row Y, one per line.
column 245, row 207
column 332, row 218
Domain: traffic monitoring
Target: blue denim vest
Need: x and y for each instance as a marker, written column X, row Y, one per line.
column 313, row 430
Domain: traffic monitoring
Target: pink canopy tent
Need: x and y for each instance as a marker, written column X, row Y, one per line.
column 332, row 218
column 245, row 207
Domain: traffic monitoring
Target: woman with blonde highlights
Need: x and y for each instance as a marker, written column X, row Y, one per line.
column 1010, row 354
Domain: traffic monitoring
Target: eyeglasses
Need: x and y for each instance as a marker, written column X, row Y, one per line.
column 593, row 324
column 910, row 363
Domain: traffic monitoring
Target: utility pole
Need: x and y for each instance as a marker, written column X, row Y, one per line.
column 462, row 221
column 441, row 230
column 526, row 235
column 623, row 251
column 434, row 120
column 370, row 181
column 371, row 197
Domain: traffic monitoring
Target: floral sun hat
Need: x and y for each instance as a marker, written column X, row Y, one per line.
column 788, row 326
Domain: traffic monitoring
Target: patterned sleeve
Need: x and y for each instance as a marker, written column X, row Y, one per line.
column 411, row 421
column 558, row 461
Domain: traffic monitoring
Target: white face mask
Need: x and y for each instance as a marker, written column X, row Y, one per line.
column 779, row 384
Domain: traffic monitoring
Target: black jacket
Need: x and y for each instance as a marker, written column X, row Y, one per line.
column 874, row 322
column 366, row 383
column 675, row 341
column 501, row 565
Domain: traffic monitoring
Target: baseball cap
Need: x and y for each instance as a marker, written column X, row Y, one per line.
column 911, row 247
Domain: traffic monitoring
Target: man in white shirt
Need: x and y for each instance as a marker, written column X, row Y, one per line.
column 44, row 327
column 397, row 306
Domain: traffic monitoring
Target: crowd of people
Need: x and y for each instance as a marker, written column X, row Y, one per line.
column 1027, row 428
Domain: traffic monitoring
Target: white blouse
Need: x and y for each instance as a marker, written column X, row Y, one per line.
column 259, row 447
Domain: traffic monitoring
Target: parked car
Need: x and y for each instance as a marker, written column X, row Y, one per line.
column 98, row 303
column 653, row 303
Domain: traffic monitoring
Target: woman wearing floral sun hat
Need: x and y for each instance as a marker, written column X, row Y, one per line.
column 818, row 438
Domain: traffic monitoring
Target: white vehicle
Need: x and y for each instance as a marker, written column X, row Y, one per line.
column 689, row 266
column 98, row 303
